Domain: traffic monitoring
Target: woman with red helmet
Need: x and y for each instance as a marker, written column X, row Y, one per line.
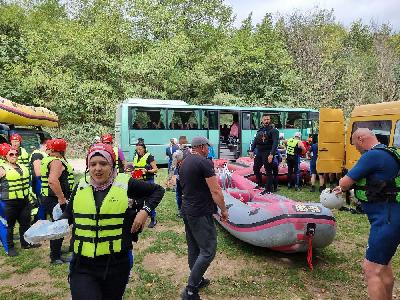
column 57, row 177
column 23, row 156
column 108, row 210
column 119, row 154
column 14, row 194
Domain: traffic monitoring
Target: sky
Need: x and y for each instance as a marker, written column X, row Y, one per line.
column 345, row 11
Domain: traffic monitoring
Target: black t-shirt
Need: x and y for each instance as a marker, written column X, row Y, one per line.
column 197, row 200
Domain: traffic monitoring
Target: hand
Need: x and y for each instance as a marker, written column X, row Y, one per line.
column 251, row 154
column 139, row 221
column 270, row 157
column 144, row 171
column 62, row 201
column 337, row 190
column 224, row 215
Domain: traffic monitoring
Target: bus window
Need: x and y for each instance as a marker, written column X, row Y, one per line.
column 381, row 129
column 148, row 118
column 183, row 119
column 213, row 120
column 204, row 120
column 275, row 119
column 294, row 119
column 246, row 121
column 396, row 139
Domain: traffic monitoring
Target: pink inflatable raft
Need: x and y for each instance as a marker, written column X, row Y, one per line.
column 271, row 220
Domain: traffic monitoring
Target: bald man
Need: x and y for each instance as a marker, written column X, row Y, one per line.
column 373, row 178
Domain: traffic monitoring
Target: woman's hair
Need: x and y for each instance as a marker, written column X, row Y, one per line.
column 142, row 145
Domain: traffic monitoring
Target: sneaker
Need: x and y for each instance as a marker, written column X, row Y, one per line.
column 296, row 188
column 12, row 252
column 31, row 246
column 179, row 215
column 152, row 224
column 58, row 261
column 265, row 192
column 321, row 188
column 189, row 295
column 312, row 190
column 204, row 283
column 289, row 186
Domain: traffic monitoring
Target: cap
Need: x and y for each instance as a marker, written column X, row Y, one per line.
column 16, row 137
column 200, row 140
column 297, row 134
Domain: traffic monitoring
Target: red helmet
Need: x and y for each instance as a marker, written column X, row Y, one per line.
column 4, row 149
column 101, row 147
column 106, row 138
column 16, row 137
column 137, row 174
column 48, row 144
column 58, row 145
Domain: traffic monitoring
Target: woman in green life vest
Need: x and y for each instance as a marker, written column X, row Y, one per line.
column 14, row 196
column 108, row 210
column 146, row 163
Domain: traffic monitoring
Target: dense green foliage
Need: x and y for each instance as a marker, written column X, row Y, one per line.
column 82, row 57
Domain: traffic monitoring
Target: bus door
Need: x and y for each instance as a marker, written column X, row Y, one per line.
column 308, row 128
column 246, row 132
column 213, row 130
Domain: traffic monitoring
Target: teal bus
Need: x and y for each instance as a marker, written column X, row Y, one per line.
column 157, row 121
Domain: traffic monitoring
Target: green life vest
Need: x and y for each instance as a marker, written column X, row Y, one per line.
column 14, row 185
column 99, row 231
column 23, row 157
column 380, row 190
column 141, row 163
column 291, row 146
column 67, row 179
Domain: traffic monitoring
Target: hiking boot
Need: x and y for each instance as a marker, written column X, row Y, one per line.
column 312, row 190
column 152, row 224
column 190, row 295
column 204, row 283
column 31, row 246
column 12, row 252
column 296, row 188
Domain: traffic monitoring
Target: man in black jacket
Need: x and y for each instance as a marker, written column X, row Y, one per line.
column 265, row 143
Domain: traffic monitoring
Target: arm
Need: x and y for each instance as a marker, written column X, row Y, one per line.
column 301, row 146
column 67, row 209
column 275, row 141
column 56, row 169
column 36, row 167
column 153, row 193
column 218, row 197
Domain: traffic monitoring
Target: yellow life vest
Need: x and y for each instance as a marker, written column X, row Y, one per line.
column 99, row 232
column 23, row 157
column 291, row 146
column 14, row 185
column 140, row 164
column 45, row 171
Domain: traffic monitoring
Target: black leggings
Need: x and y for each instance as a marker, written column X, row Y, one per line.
column 17, row 210
column 89, row 283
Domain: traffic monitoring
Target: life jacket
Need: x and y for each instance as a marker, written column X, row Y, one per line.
column 23, row 157
column 140, row 164
column 292, row 148
column 100, row 231
column 373, row 190
column 66, row 179
column 14, row 185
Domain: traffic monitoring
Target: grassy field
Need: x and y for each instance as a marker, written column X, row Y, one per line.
column 239, row 271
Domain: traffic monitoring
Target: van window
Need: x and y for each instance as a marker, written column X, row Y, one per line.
column 381, row 128
column 396, row 138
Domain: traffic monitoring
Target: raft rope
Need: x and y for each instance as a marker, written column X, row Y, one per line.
column 309, row 238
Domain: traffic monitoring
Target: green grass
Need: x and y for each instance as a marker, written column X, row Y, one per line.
column 259, row 273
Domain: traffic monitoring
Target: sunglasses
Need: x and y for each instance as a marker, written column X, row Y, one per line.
column 12, row 154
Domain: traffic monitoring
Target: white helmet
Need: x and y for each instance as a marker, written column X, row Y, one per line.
column 330, row 199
